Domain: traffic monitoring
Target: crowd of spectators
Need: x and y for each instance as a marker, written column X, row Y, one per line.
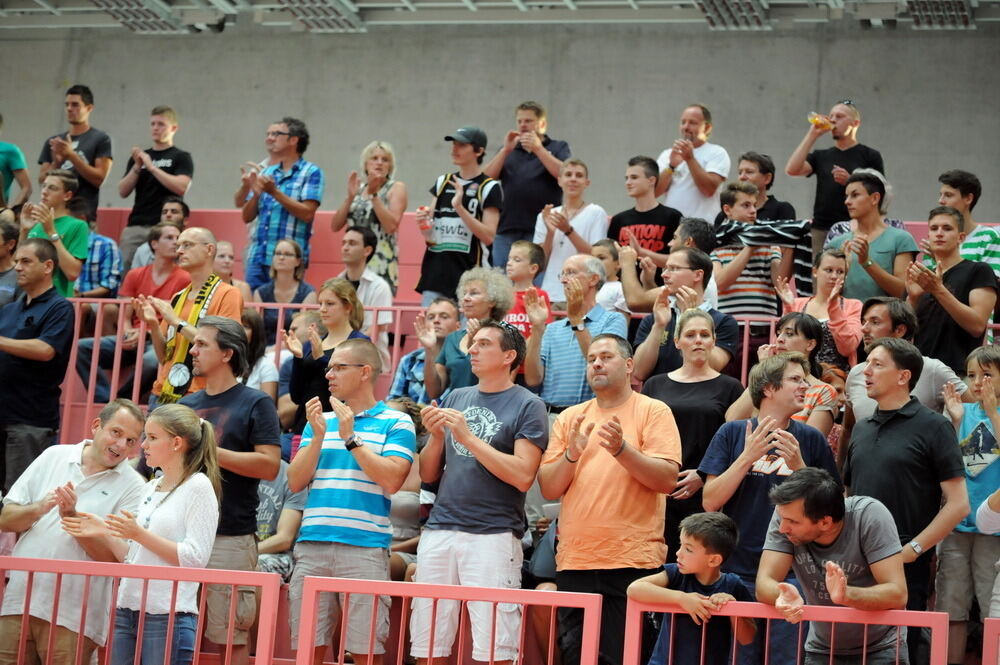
column 576, row 401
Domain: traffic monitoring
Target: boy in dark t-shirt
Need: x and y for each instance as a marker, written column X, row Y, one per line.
column 697, row 584
column 464, row 216
column 153, row 174
column 650, row 225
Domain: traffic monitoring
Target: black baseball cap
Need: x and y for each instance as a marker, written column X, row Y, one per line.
column 468, row 134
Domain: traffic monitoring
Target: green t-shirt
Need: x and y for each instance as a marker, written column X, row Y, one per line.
column 11, row 159
column 883, row 250
column 75, row 234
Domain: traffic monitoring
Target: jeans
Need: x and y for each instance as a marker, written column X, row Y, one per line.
column 501, row 246
column 105, row 361
column 154, row 638
column 256, row 275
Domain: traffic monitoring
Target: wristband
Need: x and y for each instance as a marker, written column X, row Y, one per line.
column 566, row 455
column 620, row 449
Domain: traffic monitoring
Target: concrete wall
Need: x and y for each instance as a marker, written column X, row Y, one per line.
column 929, row 99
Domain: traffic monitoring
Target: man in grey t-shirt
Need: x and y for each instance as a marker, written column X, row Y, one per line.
column 485, row 444
column 843, row 553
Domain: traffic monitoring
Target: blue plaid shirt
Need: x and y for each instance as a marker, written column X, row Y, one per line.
column 303, row 182
column 103, row 266
column 409, row 379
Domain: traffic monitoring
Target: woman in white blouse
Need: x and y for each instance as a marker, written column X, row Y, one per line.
column 175, row 526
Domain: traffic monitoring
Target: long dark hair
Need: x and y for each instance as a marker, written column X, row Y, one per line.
column 258, row 339
column 809, row 327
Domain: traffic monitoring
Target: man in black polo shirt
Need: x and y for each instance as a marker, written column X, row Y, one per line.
column 528, row 166
column 33, row 359
column 907, row 457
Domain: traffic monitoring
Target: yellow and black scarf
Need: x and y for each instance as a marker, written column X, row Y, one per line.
column 179, row 376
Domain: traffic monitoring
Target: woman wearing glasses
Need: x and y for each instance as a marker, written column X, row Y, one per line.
column 286, row 286
column 375, row 200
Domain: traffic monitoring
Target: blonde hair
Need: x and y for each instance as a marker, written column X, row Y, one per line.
column 370, row 149
column 180, row 420
column 683, row 320
column 345, row 292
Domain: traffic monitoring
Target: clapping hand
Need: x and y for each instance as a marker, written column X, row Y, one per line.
column 534, row 307
column 292, row 343
column 124, row 525
column 789, row 602
column 953, row 402
column 345, row 418
column 353, row 184
column 784, row 290
column 316, row 419
column 840, row 175
column 576, row 443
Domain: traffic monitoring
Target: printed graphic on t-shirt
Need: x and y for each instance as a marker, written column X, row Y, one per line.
column 814, row 572
column 163, row 163
column 649, row 236
column 68, row 165
column 482, row 423
column 771, row 464
column 979, row 449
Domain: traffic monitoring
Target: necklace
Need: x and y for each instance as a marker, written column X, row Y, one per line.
column 149, row 499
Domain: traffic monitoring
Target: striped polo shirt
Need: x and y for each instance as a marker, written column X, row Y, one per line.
column 344, row 504
column 752, row 294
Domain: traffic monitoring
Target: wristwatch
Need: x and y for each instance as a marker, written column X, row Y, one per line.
column 353, row 442
column 867, row 263
column 916, row 547
column 55, row 237
column 578, row 327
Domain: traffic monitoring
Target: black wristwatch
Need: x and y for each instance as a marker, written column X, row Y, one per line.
column 354, row 441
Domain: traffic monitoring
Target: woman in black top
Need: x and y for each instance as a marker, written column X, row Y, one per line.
column 698, row 396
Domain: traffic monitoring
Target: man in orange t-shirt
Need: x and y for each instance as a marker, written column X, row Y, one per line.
column 173, row 336
column 612, row 460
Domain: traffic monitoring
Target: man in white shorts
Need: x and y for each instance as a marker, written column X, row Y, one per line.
column 486, row 442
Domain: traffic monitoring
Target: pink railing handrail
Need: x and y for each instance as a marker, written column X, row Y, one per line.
column 937, row 622
column 70, row 397
column 313, row 586
column 269, row 584
column 991, row 641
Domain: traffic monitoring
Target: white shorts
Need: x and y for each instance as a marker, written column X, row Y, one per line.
column 468, row 559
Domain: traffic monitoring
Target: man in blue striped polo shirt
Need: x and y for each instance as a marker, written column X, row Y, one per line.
column 352, row 460
column 283, row 198
column 563, row 344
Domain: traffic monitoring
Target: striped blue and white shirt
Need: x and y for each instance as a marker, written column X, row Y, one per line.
column 303, row 182
column 344, row 504
column 560, row 351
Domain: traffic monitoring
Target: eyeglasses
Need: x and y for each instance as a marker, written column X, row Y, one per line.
column 340, row 367
column 676, row 268
column 188, row 244
column 277, row 134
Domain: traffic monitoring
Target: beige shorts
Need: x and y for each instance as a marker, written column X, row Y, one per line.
column 231, row 553
column 966, row 569
column 326, row 559
column 36, row 647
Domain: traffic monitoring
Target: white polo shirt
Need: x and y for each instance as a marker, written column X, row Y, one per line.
column 102, row 493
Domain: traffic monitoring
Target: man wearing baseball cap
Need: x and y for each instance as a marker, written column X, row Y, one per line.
column 464, row 214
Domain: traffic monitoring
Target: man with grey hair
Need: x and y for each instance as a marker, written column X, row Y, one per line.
column 54, row 507
column 249, row 449
column 207, row 295
column 745, row 459
column 564, row 344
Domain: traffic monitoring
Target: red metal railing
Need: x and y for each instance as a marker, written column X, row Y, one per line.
column 407, row 591
column 937, row 622
column 268, row 583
